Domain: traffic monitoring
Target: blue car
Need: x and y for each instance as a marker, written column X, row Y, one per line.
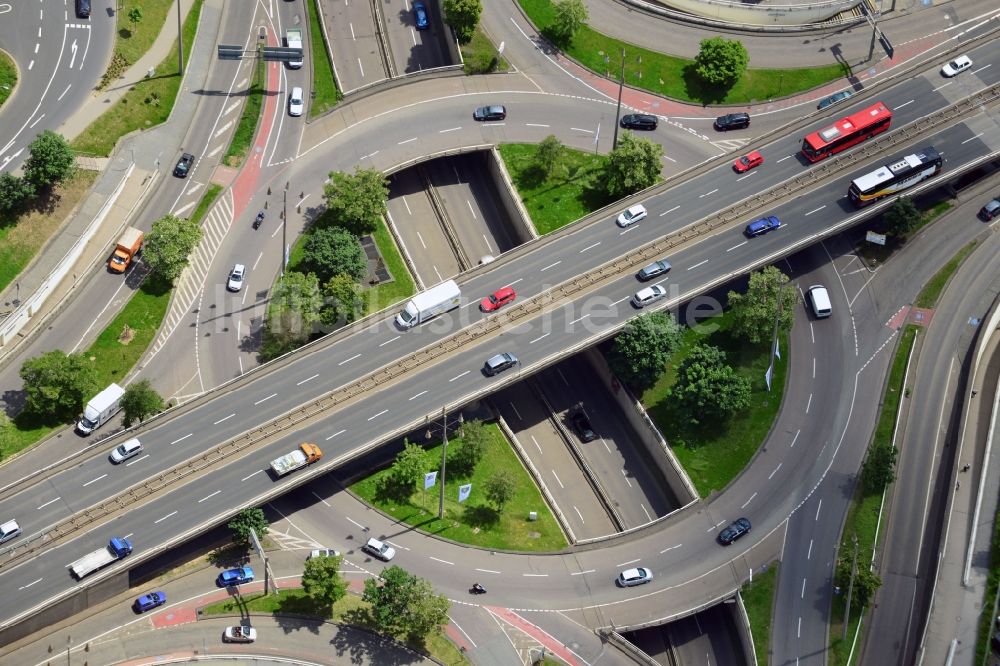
column 763, row 225
column 149, row 601
column 420, row 16
column 238, row 576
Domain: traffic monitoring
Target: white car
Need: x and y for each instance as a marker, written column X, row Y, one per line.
column 632, row 215
column 239, row 634
column 295, row 104
column 382, row 551
column 632, row 577
column 956, row 66
column 236, row 278
column 127, row 450
column 323, row 552
column 644, row 297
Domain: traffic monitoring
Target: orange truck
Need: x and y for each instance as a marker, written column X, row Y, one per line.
column 306, row 454
column 128, row 247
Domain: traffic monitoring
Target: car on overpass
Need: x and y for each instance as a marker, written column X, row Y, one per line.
column 762, row 226
column 631, row 215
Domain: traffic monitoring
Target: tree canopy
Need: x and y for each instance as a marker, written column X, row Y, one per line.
column 356, row 202
column 632, row 166
column 14, row 191
column 721, row 61
column 500, row 488
column 902, row 216
column 570, row 16
column 169, row 245
column 641, row 351
column 331, row 251
column 879, row 469
column 245, row 521
column 403, row 604
column 322, row 581
column 463, row 17
column 343, row 301
column 707, row 388
column 57, row 385
column 50, row 160
column 754, row 311
column 463, row 457
column 296, row 306
column 139, row 402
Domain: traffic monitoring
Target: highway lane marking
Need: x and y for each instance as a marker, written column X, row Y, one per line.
column 668, row 157
column 790, row 156
column 137, row 460
column 550, row 266
column 393, row 543
column 580, row 573
column 225, row 418
column 669, row 211
column 531, row 575
column 190, row 434
column 260, row 255
column 450, row 129
column 49, row 502
column 809, row 403
column 172, row 513
column 744, row 505
column 622, row 300
column 701, row 196
column 467, row 636
column 818, row 508
column 230, row 108
column 605, row 445
column 700, row 263
column 207, row 497
column 378, row 415
column 421, row 239
column 972, row 138
column 441, row 561
column 260, row 471
column 815, row 210
column 519, row 417
column 265, row 399
column 37, row 120
column 494, row 124
column 320, row 498
column 308, row 379
column 94, row 480
column 798, row 630
column 348, row 360
column 671, row 548
column 716, row 526
column 470, row 304
column 25, row 587
column 802, row 595
column 932, row 89
column 361, row 67
column 579, row 319
column 537, row 445
column 629, row 562
column 417, row 395
column 625, row 231
column 897, row 108
column 625, row 476
column 590, row 247
column 642, row 506
column 59, row 99
column 356, row 523
column 215, row 151
column 222, row 130
column 814, row 367
column 476, row 217
column 580, row 129
column 544, row 335
column 514, row 282
column 534, row 125
column 794, row 439
column 489, row 246
column 351, row 26
column 459, row 376
column 736, row 246
column 746, row 176
column 339, row 432
column 553, row 471
column 775, row 471
column 810, row 551
column 582, row 521
column 362, row 157
column 488, row 571
column 391, row 340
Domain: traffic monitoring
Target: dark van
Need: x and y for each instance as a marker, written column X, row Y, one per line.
column 83, row 8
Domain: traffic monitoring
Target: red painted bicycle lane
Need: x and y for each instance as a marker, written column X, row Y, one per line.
column 544, row 638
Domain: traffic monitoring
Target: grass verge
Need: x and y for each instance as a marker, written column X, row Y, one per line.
column 863, row 514
column 480, row 53
column 672, row 76
column 146, row 104
column 402, row 285
column 8, row 77
column 929, row 295
column 714, row 454
column 474, row 522
column 875, row 255
column 989, row 596
column 324, row 84
column 555, row 202
column 758, row 599
column 134, row 39
column 350, row 610
column 247, row 127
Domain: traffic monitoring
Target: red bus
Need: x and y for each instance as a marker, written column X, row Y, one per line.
column 847, row 132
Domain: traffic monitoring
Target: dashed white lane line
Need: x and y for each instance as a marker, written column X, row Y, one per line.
column 265, row 399
column 744, row 505
column 417, row 395
column 172, row 513
column 671, row 548
column 459, row 376
column 260, row 471
column 580, row 573
column 94, row 480
column 190, row 434
column 207, row 497
column 442, row 561
column 348, row 360
column 488, row 571
column 618, row 566
column 49, row 502
column 225, row 418
column 339, row 432
column 308, row 379
column 375, row 416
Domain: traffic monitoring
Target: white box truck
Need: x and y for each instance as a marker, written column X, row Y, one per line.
column 116, row 549
column 101, row 407
column 436, row 300
column 306, row 454
column 293, row 40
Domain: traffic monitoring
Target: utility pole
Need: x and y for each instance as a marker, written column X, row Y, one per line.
column 284, row 226
column 444, row 453
column 618, row 112
column 850, row 587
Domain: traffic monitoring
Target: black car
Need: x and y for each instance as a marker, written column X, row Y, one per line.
column 582, row 426
column 732, row 121
column 495, row 112
column 83, row 8
column 655, row 269
column 184, row 165
column 639, row 121
column 736, row 530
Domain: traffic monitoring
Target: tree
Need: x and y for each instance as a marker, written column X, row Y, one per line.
column 135, row 15
column 902, row 216
column 139, row 402
column 14, row 191
column 407, row 470
column 463, row 17
column 296, row 306
column 570, row 16
column 643, row 348
column 343, row 302
column 721, row 61
column 50, row 160
column 709, row 389
column 322, row 581
column 169, row 245
column 356, row 202
column 332, row 250
column 866, row 581
column 245, row 521
column 754, row 311
column 879, row 469
column 402, row 603
column 58, row 385
column 549, row 154
column 500, row 488
column 632, row 166
column 462, row 459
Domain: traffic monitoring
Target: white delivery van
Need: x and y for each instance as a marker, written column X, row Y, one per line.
column 819, row 299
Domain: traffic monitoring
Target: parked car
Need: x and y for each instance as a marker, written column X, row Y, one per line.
column 582, row 426
column 833, row 99
column 748, row 161
column 420, row 16
column 498, row 299
column 496, row 364
column 639, row 121
column 382, row 551
column 736, row 530
column 323, row 552
column 236, row 576
column 762, row 226
column 149, row 602
column 655, row 269
column 495, row 112
column 732, row 121
column 239, row 634
column 990, row 210
column 236, row 276
column 184, row 165
column 632, row 215
column 126, row 450
column 649, row 295
column 957, row 66
column 295, row 103
column 633, row 577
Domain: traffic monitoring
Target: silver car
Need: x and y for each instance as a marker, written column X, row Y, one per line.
column 633, row 577
column 649, row 295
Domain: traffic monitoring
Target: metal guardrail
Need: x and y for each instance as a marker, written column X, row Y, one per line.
column 383, row 41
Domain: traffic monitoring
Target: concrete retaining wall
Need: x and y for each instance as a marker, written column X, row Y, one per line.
column 762, row 14
column 520, row 222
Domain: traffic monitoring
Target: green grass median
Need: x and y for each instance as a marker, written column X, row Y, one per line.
column 324, row 84
column 8, row 77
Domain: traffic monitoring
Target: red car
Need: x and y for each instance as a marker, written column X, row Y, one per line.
column 497, row 299
column 748, row 161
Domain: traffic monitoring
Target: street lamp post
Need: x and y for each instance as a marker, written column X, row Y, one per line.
column 618, row 111
column 444, row 453
column 180, row 41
